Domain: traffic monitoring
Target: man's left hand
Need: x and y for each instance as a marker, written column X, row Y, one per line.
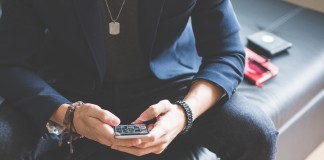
column 171, row 120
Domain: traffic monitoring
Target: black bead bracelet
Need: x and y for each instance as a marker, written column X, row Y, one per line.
column 188, row 111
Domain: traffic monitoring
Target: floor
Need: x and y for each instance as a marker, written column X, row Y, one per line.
column 317, row 154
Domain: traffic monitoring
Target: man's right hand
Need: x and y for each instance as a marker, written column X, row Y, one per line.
column 95, row 123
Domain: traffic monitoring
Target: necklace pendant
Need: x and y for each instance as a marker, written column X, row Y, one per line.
column 114, row 28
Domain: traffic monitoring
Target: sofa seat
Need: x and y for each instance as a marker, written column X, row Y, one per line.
column 294, row 99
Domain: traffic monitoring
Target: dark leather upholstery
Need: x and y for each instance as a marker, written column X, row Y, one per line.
column 294, row 99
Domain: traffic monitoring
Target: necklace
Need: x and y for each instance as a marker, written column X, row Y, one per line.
column 114, row 26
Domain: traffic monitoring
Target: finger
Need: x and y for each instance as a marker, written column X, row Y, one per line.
column 109, row 118
column 148, row 139
column 139, row 151
column 154, row 111
column 103, row 115
column 149, row 144
column 156, row 134
column 150, row 127
column 106, row 137
column 127, row 142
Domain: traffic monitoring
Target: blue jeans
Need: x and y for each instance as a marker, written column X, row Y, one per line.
column 236, row 130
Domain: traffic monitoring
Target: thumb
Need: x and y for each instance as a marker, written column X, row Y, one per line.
column 146, row 116
column 108, row 118
column 140, row 119
column 153, row 112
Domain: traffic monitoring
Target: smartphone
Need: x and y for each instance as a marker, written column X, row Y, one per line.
column 130, row 131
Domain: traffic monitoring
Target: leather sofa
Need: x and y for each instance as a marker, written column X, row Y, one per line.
column 294, row 99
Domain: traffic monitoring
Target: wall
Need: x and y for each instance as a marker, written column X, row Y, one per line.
column 317, row 5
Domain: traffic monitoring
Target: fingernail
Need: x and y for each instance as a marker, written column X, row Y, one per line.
column 138, row 141
column 115, row 121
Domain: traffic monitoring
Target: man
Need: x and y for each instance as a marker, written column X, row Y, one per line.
column 131, row 61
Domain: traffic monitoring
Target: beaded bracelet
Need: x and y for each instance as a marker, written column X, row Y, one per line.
column 188, row 111
column 70, row 130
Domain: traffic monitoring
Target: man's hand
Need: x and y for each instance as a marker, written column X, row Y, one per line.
column 171, row 120
column 96, row 124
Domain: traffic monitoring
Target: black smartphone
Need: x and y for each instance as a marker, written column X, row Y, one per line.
column 129, row 131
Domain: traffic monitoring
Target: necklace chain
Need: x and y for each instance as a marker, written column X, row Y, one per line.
column 121, row 8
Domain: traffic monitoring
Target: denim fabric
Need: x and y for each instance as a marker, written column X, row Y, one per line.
column 235, row 131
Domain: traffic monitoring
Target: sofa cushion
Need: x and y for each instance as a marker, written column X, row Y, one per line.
column 295, row 98
column 301, row 75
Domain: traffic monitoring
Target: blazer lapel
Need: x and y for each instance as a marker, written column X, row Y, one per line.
column 150, row 12
column 90, row 16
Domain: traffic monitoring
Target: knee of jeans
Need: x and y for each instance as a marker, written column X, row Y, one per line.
column 265, row 141
column 15, row 142
column 5, row 139
column 252, row 129
column 15, row 145
column 5, row 133
column 261, row 141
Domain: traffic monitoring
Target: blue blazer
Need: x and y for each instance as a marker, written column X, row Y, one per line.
column 177, row 37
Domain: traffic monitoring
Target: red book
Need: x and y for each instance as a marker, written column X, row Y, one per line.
column 258, row 69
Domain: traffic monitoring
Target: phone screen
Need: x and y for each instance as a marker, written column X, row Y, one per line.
column 131, row 131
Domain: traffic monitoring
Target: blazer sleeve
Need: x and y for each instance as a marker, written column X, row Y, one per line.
column 21, row 34
column 216, row 30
